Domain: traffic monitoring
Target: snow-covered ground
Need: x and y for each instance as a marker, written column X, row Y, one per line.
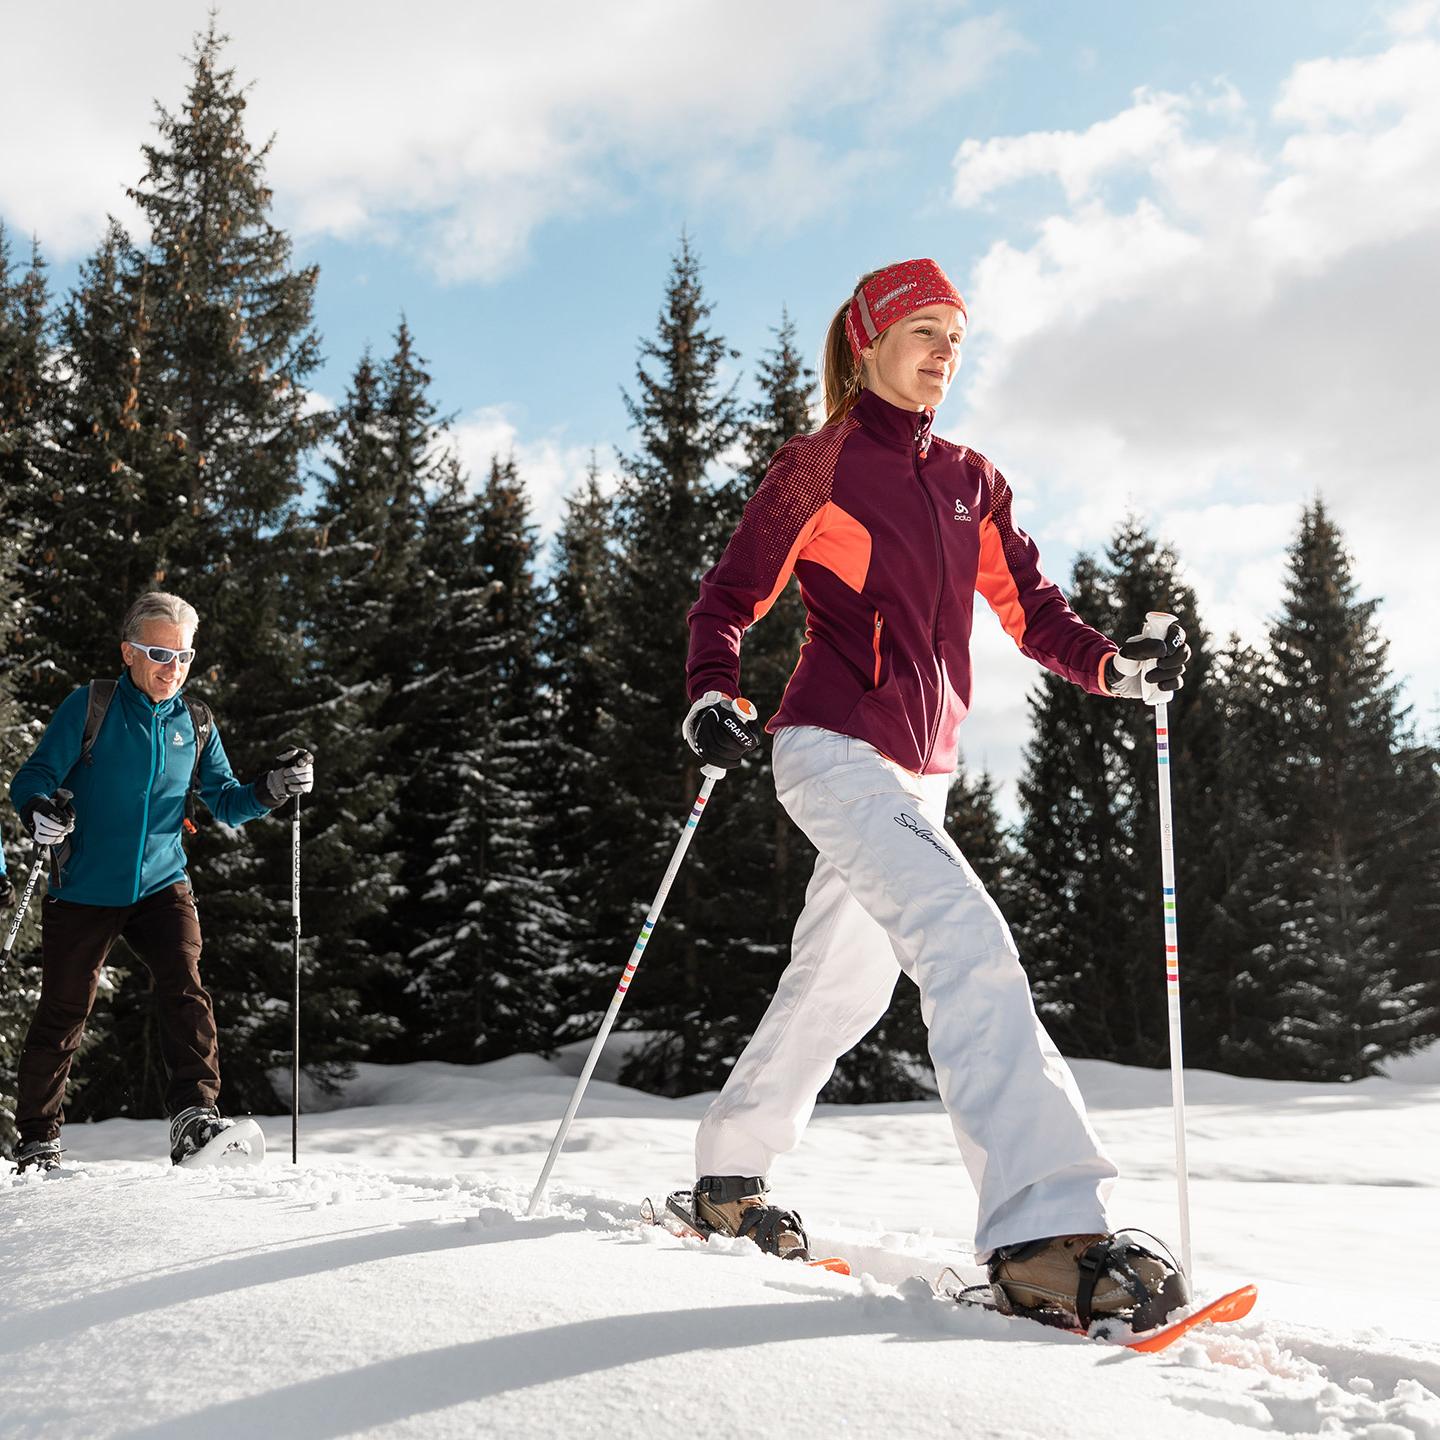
column 390, row 1284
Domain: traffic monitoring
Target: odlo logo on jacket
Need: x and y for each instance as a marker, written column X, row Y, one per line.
column 961, row 512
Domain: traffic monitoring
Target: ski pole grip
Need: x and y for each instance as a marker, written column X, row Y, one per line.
column 1157, row 626
column 749, row 714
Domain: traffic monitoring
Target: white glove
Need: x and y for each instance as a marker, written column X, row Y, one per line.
column 1149, row 667
column 294, row 775
column 52, row 818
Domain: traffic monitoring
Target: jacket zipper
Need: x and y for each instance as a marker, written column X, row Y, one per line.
column 939, row 594
column 879, row 626
column 145, row 820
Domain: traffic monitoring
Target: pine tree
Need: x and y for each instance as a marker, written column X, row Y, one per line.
column 20, row 977
column 361, row 578
column 104, row 506
column 1413, row 899
column 231, row 350
column 488, row 924
column 666, row 516
column 578, row 680
column 27, row 445
column 27, row 390
column 1088, row 921
column 1227, row 987
column 1340, row 803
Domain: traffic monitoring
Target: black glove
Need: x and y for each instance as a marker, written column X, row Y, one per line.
column 722, row 731
column 50, row 817
column 1145, row 664
column 294, row 774
column 7, row 892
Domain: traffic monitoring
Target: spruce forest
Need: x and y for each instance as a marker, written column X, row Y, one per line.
column 500, row 777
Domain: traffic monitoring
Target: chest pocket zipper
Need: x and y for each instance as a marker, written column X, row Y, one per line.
column 879, row 627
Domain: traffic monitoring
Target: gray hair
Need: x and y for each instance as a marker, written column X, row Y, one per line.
column 157, row 605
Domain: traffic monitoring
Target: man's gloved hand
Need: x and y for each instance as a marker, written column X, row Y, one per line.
column 7, row 892
column 722, row 731
column 1146, row 664
column 51, row 818
column 294, row 774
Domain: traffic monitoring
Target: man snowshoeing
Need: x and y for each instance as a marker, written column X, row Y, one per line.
column 118, row 869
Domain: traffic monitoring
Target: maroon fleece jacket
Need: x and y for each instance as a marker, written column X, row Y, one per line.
column 890, row 532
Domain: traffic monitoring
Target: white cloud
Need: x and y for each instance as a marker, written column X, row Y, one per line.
column 1230, row 314
column 455, row 130
column 1131, row 139
column 550, row 465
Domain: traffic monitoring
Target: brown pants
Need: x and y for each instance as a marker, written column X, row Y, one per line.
column 164, row 931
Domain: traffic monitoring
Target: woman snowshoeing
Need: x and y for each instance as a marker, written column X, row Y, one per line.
column 891, row 532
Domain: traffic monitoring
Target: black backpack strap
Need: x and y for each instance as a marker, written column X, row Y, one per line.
column 204, row 723
column 97, row 705
column 102, row 692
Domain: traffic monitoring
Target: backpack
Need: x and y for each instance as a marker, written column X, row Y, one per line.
column 102, row 692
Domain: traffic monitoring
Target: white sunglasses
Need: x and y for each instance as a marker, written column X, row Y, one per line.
column 160, row 655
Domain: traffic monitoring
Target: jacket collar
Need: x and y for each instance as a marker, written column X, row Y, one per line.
column 908, row 429
column 134, row 695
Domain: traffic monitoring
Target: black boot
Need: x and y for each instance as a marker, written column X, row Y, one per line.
column 37, row 1155
column 193, row 1128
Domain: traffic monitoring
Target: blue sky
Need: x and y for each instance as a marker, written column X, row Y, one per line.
column 1200, row 243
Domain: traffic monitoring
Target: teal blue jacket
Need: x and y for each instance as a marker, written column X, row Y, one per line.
column 130, row 798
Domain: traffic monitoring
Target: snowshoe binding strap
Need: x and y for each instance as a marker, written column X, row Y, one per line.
column 1154, row 1304
column 1115, row 1256
column 726, row 1189
column 767, row 1226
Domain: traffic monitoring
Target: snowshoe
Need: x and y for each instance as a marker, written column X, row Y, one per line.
column 1074, row 1280
column 37, row 1155
column 735, row 1205
column 193, row 1129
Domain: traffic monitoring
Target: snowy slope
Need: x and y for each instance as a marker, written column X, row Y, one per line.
column 390, row 1285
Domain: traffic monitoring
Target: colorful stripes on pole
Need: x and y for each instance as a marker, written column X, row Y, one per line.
column 712, row 774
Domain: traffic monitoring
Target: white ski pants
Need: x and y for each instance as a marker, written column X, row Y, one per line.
column 891, row 893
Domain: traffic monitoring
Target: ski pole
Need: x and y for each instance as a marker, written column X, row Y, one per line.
column 24, row 903
column 295, row 1006
column 41, row 852
column 712, row 773
column 1157, row 624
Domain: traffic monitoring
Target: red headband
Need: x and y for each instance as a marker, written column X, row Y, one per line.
column 897, row 291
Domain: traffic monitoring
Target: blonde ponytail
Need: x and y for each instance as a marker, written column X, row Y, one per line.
column 842, row 372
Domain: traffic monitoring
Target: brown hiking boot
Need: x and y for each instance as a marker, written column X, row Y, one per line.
column 735, row 1205
column 1076, row 1279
